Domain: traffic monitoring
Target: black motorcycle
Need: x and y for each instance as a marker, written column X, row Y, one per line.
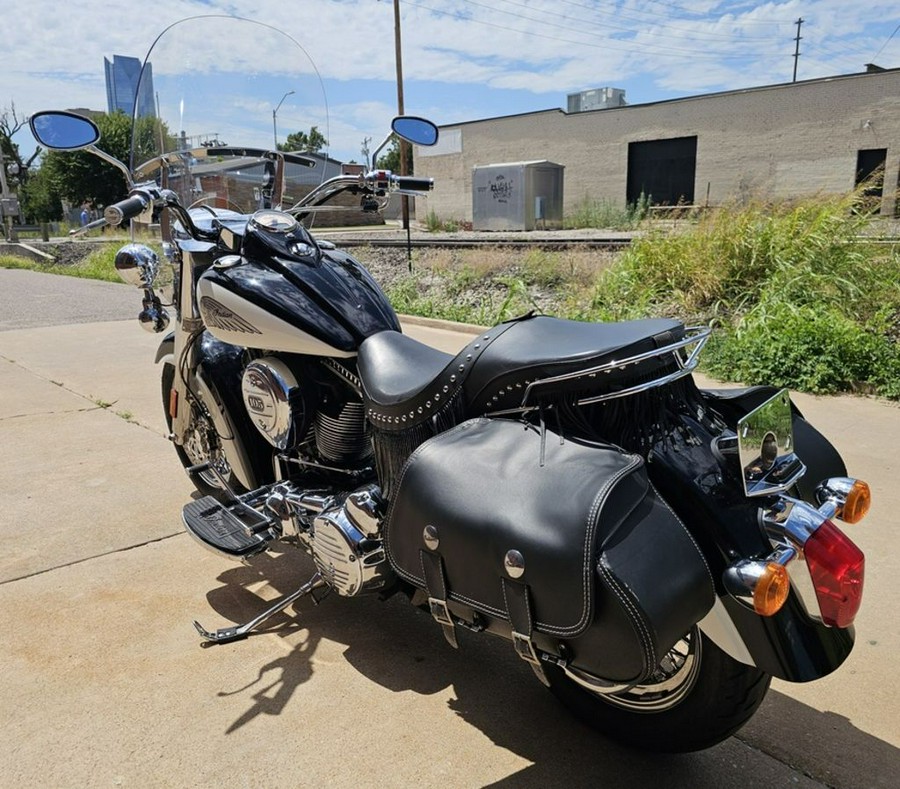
column 655, row 552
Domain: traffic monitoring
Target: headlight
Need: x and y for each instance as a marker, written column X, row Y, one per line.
column 137, row 265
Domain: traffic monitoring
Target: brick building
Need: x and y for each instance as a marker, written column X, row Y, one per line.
column 778, row 141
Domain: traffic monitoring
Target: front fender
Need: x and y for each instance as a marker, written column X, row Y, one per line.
column 219, row 368
column 166, row 349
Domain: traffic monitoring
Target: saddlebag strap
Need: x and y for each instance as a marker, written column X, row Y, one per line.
column 436, row 586
column 518, row 607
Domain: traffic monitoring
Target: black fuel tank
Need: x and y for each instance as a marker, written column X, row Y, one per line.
column 284, row 293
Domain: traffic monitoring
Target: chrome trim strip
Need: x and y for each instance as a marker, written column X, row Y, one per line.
column 699, row 335
column 719, row 627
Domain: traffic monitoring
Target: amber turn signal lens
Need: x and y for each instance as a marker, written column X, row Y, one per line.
column 173, row 402
column 772, row 589
column 858, row 501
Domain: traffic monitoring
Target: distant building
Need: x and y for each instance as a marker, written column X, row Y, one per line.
column 785, row 141
column 122, row 77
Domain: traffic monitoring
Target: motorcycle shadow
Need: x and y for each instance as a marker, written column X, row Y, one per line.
column 402, row 649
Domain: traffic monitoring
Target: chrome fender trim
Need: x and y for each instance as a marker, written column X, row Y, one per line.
column 718, row 626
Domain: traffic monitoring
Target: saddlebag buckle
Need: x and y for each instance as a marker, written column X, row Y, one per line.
column 525, row 648
column 440, row 612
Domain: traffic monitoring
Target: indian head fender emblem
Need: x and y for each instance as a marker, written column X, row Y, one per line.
column 218, row 316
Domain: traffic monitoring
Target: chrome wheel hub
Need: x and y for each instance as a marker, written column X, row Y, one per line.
column 202, row 445
column 670, row 683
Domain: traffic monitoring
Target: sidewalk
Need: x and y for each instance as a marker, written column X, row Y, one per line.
column 104, row 681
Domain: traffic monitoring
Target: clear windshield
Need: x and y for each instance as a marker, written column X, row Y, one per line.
column 215, row 94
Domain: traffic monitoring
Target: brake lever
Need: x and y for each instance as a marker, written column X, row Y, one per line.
column 80, row 231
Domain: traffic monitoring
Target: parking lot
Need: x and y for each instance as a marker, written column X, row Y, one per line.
column 104, row 681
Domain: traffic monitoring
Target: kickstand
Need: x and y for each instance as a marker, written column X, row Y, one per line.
column 237, row 632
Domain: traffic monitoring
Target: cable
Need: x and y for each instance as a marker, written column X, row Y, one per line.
column 637, row 47
column 885, row 43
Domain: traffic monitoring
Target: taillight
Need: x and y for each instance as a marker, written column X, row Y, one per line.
column 836, row 566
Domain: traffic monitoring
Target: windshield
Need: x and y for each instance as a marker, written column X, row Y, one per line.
column 215, row 95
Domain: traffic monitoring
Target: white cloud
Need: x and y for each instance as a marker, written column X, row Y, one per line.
column 541, row 48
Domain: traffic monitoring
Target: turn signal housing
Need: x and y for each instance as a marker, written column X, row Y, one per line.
column 859, row 499
column 762, row 585
column 845, row 498
column 772, row 590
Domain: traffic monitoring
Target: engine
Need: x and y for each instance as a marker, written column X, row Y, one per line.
column 347, row 547
column 285, row 412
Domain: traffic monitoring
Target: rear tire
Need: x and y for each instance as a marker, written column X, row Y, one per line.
column 202, row 444
column 698, row 697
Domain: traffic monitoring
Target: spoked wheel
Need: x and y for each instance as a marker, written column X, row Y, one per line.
column 201, row 445
column 697, row 697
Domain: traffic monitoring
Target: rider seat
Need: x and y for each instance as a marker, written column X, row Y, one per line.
column 406, row 382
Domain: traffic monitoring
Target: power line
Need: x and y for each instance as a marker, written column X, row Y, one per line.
column 642, row 46
column 886, row 43
column 691, row 24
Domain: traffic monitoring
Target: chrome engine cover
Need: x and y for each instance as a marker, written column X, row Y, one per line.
column 347, row 547
column 271, row 395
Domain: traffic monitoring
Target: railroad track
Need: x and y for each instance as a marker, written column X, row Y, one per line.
column 476, row 243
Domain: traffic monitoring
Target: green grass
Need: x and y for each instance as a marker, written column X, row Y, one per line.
column 97, row 265
column 800, row 297
column 606, row 214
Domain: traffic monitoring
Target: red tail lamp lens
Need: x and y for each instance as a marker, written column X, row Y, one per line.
column 836, row 566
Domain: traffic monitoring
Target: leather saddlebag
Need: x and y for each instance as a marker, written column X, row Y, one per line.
column 562, row 545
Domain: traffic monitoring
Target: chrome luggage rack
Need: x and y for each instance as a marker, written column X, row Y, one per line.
column 686, row 363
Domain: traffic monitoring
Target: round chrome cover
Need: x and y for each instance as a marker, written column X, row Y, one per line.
column 137, row 264
column 268, row 387
column 274, row 221
column 349, row 562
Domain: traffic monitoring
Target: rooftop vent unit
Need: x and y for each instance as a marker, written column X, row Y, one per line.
column 596, row 99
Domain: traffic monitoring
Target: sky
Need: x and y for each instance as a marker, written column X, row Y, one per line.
column 462, row 59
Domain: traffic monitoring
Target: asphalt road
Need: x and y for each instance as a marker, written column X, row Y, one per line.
column 103, row 681
column 29, row 299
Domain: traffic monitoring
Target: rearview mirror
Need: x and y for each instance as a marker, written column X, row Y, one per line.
column 63, row 131
column 413, row 129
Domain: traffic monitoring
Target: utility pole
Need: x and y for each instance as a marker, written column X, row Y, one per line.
column 797, row 47
column 404, row 146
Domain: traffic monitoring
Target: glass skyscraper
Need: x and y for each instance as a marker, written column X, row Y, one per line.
column 122, row 77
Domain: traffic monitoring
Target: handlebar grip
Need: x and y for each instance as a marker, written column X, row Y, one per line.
column 413, row 184
column 117, row 213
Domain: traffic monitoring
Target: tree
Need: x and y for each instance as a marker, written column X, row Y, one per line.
column 39, row 198
column 17, row 168
column 391, row 160
column 151, row 138
column 79, row 176
column 307, row 143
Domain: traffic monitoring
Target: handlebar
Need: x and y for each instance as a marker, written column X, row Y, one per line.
column 120, row 212
column 411, row 184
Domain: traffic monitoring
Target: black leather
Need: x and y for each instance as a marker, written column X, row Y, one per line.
column 608, row 565
column 394, row 368
column 403, row 377
column 543, row 347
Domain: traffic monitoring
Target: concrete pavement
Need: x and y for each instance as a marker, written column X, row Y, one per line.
column 103, row 681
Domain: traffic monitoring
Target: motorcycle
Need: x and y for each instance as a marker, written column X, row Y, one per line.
column 654, row 551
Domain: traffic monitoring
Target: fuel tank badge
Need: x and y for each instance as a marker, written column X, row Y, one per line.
column 218, row 316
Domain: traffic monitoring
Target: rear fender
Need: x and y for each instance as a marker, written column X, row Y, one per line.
column 789, row 645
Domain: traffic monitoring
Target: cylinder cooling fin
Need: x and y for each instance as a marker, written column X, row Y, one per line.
column 341, row 434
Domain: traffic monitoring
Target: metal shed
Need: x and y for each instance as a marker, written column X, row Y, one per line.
column 517, row 195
